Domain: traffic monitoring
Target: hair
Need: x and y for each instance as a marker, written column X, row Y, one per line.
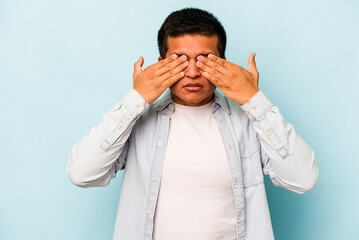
column 192, row 21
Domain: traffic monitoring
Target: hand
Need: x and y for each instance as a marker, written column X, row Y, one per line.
column 235, row 82
column 151, row 82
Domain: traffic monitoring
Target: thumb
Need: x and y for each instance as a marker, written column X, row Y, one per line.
column 252, row 64
column 138, row 66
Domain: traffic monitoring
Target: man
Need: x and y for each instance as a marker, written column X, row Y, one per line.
column 193, row 159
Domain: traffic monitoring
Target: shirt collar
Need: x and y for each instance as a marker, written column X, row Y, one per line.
column 219, row 101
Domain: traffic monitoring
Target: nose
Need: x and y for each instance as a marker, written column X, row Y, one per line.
column 192, row 71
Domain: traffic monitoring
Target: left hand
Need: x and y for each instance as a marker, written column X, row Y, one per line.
column 237, row 83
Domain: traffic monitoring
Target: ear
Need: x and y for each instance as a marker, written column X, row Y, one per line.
column 159, row 58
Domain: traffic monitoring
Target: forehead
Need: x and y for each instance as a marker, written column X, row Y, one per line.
column 192, row 45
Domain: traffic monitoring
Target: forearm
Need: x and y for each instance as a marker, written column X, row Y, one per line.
column 92, row 161
column 292, row 160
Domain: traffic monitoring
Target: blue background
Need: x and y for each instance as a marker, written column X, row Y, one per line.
column 64, row 63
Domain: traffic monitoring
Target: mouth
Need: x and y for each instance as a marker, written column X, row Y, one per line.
column 193, row 87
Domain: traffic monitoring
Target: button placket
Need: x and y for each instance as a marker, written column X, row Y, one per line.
column 156, row 170
column 232, row 155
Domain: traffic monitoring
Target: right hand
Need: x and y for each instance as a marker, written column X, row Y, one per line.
column 151, row 82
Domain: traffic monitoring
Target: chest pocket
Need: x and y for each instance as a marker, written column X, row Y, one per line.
column 251, row 163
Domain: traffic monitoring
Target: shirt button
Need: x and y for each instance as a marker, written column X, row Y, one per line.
column 253, row 110
column 270, row 133
column 163, row 117
column 220, row 120
column 170, row 105
column 148, row 212
column 154, row 179
column 159, row 144
column 247, row 112
column 122, row 128
column 236, row 182
column 139, row 108
column 229, row 146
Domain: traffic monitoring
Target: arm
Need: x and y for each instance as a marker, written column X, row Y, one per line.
column 92, row 162
column 286, row 158
column 99, row 154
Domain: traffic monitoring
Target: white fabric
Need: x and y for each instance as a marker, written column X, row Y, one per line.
column 195, row 199
column 132, row 136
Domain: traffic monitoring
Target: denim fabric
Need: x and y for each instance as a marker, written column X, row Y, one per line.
column 133, row 135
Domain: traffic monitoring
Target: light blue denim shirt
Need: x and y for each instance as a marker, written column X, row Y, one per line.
column 133, row 136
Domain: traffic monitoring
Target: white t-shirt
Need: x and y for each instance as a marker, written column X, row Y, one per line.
column 195, row 200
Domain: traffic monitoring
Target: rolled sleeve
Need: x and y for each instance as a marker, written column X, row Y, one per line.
column 95, row 158
column 291, row 159
column 257, row 109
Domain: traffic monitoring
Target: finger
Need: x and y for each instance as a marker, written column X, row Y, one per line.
column 173, row 79
column 138, row 66
column 204, row 64
column 174, row 71
column 171, row 65
column 165, row 61
column 214, row 79
column 212, row 71
column 252, row 68
column 220, row 61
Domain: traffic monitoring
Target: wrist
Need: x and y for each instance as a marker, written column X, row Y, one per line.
column 246, row 98
column 143, row 95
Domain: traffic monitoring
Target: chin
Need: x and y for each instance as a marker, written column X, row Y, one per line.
column 193, row 100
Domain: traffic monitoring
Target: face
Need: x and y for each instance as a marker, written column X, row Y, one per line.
column 193, row 89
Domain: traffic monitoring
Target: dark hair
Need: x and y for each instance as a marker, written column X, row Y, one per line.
column 192, row 21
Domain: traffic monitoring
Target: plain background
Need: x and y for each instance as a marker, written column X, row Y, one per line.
column 65, row 63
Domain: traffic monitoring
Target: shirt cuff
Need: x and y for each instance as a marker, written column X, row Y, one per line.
column 257, row 106
column 134, row 102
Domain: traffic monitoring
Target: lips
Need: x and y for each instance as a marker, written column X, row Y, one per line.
column 193, row 86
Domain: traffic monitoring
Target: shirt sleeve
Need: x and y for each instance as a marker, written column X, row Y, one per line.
column 287, row 158
column 95, row 159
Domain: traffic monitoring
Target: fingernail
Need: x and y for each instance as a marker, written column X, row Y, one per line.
column 185, row 63
column 206, row 74
column 200, row 58
column 199, row 64
column 210, row 56
column 174, row 56
column 183, row 57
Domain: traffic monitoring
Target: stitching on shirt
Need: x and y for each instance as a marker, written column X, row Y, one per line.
column 274, row 138
column 116, row 132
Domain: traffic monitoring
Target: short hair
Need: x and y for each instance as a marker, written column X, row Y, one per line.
column 192, row 21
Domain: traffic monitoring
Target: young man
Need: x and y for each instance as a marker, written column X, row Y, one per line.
column 193, row 159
